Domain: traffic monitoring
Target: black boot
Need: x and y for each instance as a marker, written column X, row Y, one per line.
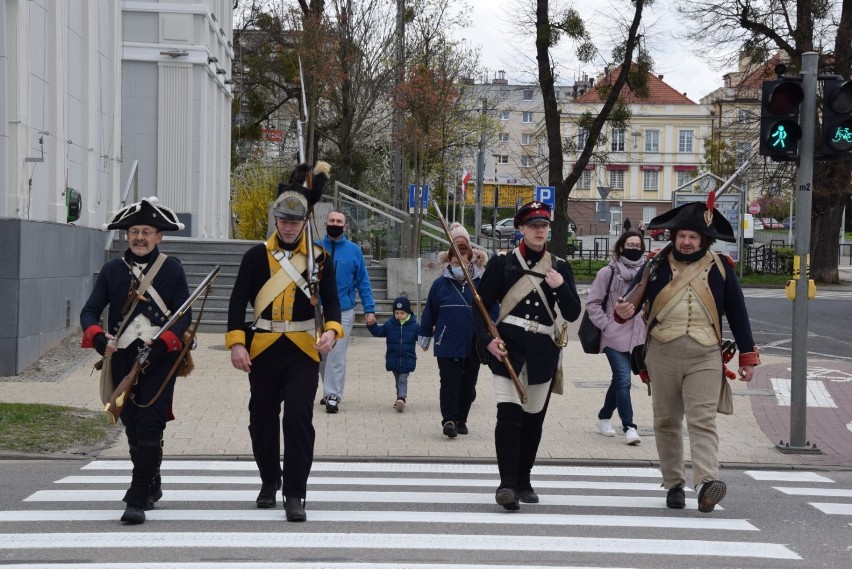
column 268, row 493
column 145, row 465
column 507, row 440
column 155, row 493
column 530, row 438
column 295, row 509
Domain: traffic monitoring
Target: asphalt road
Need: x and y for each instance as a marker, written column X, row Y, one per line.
column 422, row 515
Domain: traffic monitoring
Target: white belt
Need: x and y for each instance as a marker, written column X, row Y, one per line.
column 284, row 326
column 529, row 325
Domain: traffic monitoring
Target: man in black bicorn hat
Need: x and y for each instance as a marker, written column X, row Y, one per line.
column 131, row 325
column 530, row 283
column 278, row 349
column 691, row 289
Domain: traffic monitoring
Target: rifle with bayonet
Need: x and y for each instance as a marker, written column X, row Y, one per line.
column 477, row 300
column 122, row 392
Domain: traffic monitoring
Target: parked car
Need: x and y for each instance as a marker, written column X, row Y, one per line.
column 504, row 228
column 789, row 223
column 758, row 225
column 659, row 234
column 769, row 223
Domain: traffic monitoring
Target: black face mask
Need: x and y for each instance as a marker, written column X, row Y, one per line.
column 632, row 254
column 334, row 231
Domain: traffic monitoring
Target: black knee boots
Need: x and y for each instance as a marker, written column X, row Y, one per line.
column 507, row 440
column 142, row 493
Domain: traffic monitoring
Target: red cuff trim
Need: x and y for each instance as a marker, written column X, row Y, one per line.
column 750, row 358
column 89, row 336
column 173, row 344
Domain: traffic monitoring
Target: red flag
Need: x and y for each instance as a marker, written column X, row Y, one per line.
column 465, row 180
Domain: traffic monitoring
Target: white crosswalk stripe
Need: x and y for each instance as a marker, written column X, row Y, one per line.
column 361, row 509
column 831, row 508
column 779, row 293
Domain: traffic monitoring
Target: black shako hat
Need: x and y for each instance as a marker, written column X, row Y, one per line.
column 297, row 197
column 699, row 217
column 532, row 211
column 146, row 211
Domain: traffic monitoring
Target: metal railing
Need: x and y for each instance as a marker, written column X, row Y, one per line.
column 132, row 183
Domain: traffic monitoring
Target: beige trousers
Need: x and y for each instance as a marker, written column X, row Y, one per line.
column 685, row 379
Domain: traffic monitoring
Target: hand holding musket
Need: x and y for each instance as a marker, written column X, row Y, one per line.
column 118, row 399
column 634, row 297
column 492, row 329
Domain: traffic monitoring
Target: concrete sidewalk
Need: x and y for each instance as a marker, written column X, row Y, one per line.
column 212, row 417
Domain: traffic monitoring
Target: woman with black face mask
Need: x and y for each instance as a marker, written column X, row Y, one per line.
column 618, row 340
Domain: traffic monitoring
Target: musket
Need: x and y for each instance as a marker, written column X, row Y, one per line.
column 121, row 394
column 313, row 267
column 477, row 300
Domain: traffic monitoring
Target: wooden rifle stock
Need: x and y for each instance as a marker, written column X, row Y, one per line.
column 477, row 300
column 119, row 397
column 636, row 295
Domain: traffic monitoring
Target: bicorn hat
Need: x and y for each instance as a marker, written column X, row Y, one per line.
column 146, row 211
column 532, row 211
column 700, row 217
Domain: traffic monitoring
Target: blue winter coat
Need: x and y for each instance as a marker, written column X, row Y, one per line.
column 448, row 317
column 401, row 355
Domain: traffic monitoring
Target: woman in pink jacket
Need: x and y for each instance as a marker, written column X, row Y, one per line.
column 617, row 340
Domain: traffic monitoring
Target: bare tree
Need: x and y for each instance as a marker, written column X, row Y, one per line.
column 760, row 28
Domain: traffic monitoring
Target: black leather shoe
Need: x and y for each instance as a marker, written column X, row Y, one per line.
column 268, row 491
column 450, row 429
column 507, row 498
column 711, row 493
column 528, row 496
column 295, row 510
column 675, row 499
column 461, row 428
column 133, row 515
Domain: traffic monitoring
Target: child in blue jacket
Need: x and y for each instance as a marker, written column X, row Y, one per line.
column 401, row 357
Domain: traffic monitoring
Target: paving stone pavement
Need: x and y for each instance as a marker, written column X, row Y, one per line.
column 212, row 417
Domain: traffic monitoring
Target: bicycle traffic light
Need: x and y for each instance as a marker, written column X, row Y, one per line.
column 837, row 117
column 779, row 118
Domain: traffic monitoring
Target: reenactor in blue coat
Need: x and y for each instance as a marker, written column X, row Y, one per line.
column 130, row 325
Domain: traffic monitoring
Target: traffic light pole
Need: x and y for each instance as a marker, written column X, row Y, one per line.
column 799, row 361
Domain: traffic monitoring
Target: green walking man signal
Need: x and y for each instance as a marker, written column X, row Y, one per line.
column 779, row 118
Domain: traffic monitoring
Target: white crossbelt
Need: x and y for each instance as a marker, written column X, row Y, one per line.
column 284, row 326
column 529, row 325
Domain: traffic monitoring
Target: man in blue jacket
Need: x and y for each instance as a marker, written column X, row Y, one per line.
column 351, row 276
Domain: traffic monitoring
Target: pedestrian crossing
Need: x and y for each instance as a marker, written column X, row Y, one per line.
column 822, row 489
column 779, row 293
column 378, row 515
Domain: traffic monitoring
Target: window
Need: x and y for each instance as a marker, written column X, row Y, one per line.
column 558, row 95
column 684, row 141
column 528, row 94
column 743, row 115
column 617, row 142
column 651, row 180
column 526, row 139
column 585, row 181
column 684, row 177
column 527, row 117
column 502, row 158
column 743, row 151
column 616, row 179
column 503, row 95
column 503, row 137
column 649, row 212
column 527, row 161
column 582, row 138
column 504, row 115
column 652, row 141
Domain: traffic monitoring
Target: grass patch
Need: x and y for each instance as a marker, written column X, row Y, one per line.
column 38, row 428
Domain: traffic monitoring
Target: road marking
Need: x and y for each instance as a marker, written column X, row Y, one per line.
column 834, row 492
column 355, row 497
column 286, row 565
column 391, row 516
column 817, row 394
column 386, row 468
column 834, row 509
column 396, row 542
column 788, row 476
column 340, row 481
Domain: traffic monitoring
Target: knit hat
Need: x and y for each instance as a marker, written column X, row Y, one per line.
column 402, row 303
column 458, row 230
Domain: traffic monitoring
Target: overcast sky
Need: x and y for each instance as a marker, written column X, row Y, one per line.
column 496, row 32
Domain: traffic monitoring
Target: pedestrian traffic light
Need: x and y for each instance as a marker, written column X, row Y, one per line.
column 779, row 118
column 837, row 117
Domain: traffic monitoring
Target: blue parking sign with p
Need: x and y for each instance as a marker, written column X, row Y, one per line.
column 423, row 192
column 546, row 195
